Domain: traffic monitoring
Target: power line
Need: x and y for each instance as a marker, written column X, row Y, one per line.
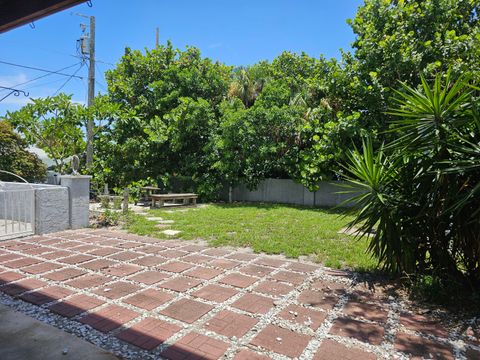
column 37, row 69
column 70, row 78
column 101, row 85
column 45, row 75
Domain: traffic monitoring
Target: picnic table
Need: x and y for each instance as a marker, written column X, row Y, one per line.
column 147, row 192
column 188, row 198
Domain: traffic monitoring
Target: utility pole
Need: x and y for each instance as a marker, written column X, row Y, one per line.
column 157, row 38
column 91, row 91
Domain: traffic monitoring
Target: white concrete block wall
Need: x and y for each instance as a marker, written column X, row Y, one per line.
column 57, row 207
column 287, row 191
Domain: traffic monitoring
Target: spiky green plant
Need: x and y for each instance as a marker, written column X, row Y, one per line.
column 421, row 194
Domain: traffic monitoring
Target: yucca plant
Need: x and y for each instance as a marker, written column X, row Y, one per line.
column 422, row 190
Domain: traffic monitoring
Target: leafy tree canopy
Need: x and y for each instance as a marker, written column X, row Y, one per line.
column 15, row 158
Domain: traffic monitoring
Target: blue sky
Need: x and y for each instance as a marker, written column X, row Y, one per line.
column 234, row 32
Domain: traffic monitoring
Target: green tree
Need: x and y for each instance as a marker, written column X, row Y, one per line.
column 166, row 91
column 398, row 41
column 53, row 125
column 15, row 158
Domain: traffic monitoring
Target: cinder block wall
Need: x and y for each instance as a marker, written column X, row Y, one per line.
column 287, row 191
column 57, row 208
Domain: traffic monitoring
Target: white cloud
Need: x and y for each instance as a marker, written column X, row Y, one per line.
column 12, row 80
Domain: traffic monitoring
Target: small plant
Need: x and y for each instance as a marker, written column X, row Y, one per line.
column 108, row 218
column 104, row 201
column 117, row 202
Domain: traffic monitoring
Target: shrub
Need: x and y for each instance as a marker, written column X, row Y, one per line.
column 422, row 190
column 15, row 157
column 104, row 201
column 117, row 202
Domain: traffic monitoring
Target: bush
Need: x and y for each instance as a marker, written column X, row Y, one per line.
column 104, row 201
column 15, row 157
column 108, row 218
column 422, row 190
column 117, row 202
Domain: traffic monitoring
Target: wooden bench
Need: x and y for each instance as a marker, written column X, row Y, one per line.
column 161, row 198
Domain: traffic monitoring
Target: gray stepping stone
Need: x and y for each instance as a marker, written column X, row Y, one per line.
column 154, row 218
column 166, row 221
column 171, row 232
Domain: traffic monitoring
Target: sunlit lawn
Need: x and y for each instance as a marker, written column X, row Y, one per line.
column 269, row 228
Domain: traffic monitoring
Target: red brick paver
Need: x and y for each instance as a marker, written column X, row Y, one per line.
column 330, row 349
column 76, row 259
column 186, row 310
column 256, row 270
column 175, row 266
column 303, row 316
column 148, row 333
column 76, row 305
column 180, row 284
column 422, row 324
column 215, row 293
column 46, row 295
column 150, row 261
column 149, row 277
column 230, row 324
column 362, row 331
column 97, row 264
column 145, row 291
column 204, row 273
column 254, row 304
column 318, row 299
column 149, row 299
column 88, row 281
column 196, row 346
column 9, row 276
column 41, row 268
column 21, row 286
column 109, row 318
column 117, row 290
column 64, row 274
column 238, row 280
column 21, row 263
column 282, row 341
column 273, row 288
column 289, row 277
column 122, row 270
column 422, row 348
column 366, row 311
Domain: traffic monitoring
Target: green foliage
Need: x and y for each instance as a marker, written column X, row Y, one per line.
column 108, row 218
column 173, row 97
column 53, row 125
column 117, row 202
column 15, row 158
column 104, row 201
column 400, row 41
column 421, row 192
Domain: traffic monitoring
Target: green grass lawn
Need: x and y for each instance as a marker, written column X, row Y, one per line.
column 270, row 228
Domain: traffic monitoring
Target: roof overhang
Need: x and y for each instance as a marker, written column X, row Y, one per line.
column 14, row 13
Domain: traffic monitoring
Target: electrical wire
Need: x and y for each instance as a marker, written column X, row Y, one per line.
column 45, row 75
column 70, row 78
column 36, row 68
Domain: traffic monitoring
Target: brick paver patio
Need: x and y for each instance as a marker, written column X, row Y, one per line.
column 145, row 298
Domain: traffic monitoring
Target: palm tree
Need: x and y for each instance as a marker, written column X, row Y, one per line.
column 245, row 87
